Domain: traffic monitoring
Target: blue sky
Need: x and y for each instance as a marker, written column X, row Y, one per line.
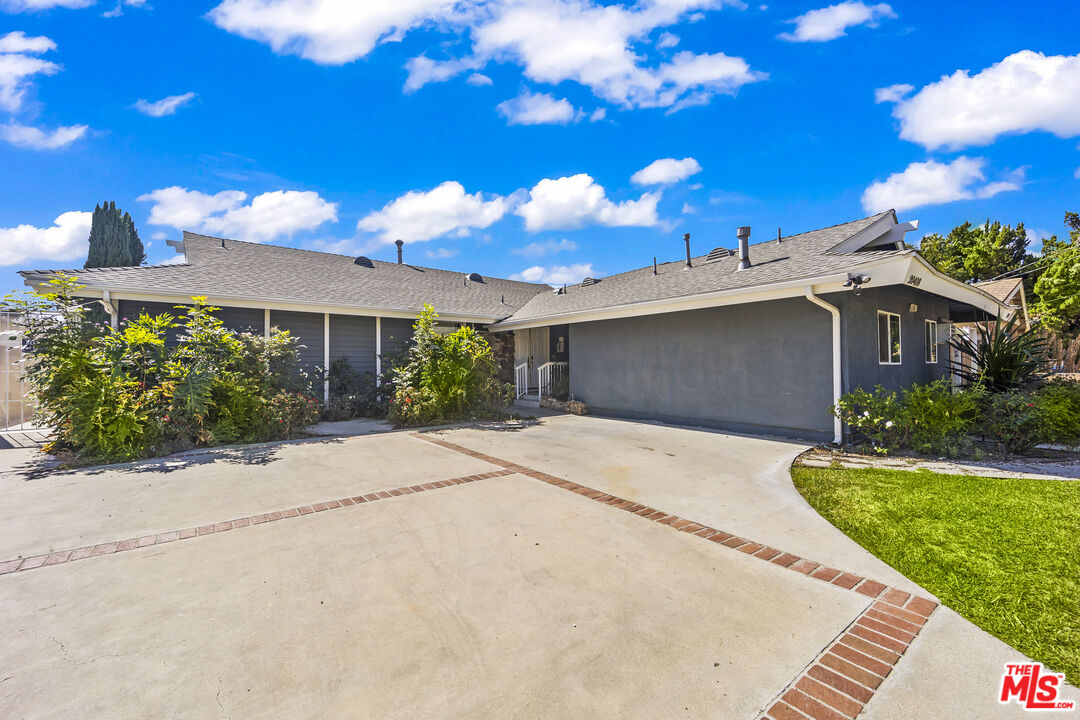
column 518, row 137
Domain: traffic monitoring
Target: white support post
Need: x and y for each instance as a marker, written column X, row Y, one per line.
column 266, row 323
column 378, row 351
column 326, row 357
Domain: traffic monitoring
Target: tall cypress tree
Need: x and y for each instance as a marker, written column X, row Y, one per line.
column 114, row 241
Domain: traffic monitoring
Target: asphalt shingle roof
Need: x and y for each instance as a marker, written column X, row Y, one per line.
column 798, row 256
column 1000, row 289
column 291, row 275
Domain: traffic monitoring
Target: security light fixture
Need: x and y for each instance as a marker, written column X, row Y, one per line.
column 855, row 281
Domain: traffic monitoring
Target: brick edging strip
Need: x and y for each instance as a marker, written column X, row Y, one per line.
column 843, row 678
column 110, row 548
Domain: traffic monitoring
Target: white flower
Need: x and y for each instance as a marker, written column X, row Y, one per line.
column 866, row 413
column 888, row 425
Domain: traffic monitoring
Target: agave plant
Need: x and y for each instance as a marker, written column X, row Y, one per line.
column 1003, row 358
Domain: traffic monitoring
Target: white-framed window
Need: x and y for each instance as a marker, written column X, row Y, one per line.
column 888, row 332
column 931, row 341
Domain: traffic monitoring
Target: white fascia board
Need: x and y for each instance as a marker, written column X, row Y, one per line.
column 891, row 271
column 925, row 276
column 271, row 304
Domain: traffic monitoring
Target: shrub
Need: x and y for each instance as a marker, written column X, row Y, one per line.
column 1004, row 358
column 352, row 393
column 873, row 416
column 1058, row 404
column 444, row 376
column 1012, row 420
column 936, row 420
column 121, row 394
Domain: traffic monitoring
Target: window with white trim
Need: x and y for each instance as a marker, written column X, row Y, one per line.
column 888, row 329
column 931, row 341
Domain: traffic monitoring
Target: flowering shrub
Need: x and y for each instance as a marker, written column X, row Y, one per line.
column 1059, row 410
column 1012, row 420
column 119, row 394
column 872, row 416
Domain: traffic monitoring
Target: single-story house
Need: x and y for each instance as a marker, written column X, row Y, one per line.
column 760, row 339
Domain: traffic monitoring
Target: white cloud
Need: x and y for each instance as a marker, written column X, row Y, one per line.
column 440, row 253
column 598, row 114
column 935, row 183
column 1025, row 92
column 547, row 247
column 445, row 210
column 331, row 32
column 893, row 93
column 601, row 46
column 178, row 259
column 65, row 240
column 688, row 209
column 15, row 6
column 571, row 202
column 20, row 42
column 667, row 40
column 18, row 66
column 26, row 136
column 165, row 106
column 556, row 274
column 537, row 109
column 268, row 216
column 1076, row 174
column 829, row 23
column 666, row 171
column 478, row 79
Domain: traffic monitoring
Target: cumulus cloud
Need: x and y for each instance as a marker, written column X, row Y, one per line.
column 15, row 6
column 268, row 216
column 537, row 109
column 26, row 136
column 601, row 46
column 555, row 275
column 64, row 240
column 440, row 253
column 571, row 202
column 18, row 66
column 445, row 210
column 478, row 79
column 165, row 106
column 829, row 23
column 546, row 247
column 893, row 93
column 935, row 183
column 666, row 171
column 1025, row 92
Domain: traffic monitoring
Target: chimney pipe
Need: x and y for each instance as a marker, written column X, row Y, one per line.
column 743, row 233
column 399, row 243
column 686, row 239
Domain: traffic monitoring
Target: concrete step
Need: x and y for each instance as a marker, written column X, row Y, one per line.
column 529, row 401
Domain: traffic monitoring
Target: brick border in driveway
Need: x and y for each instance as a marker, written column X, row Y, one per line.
column 112, row 547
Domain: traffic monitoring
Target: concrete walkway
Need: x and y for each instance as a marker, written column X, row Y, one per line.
column 459, row 574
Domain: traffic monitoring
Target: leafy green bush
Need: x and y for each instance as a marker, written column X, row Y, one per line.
column 1058, row 404
column 352, row 393
column 936, row 420
column 1012, row 420
column 444, row 376
column 120, row 394
column 872, row 416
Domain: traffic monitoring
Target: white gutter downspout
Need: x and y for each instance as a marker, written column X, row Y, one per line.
column 837, row 374
column 114, row 313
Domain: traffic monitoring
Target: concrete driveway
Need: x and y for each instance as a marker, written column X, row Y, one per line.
column 579, row 567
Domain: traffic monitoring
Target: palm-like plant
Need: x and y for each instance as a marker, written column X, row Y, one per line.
column 1004, row 358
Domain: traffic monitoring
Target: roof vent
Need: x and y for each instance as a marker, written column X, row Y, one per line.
column 476, row 277
column 364, row 262
column 589, row 281
column 717, row 253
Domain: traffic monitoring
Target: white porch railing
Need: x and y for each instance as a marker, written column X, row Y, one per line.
column 548, row 373
column 521, row 379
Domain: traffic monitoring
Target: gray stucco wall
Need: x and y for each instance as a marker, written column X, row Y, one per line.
column 859, row 333
column 760, row 367
column 353, row 337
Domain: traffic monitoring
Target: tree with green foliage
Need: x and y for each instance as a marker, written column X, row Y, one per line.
column 114, row 241
column 1057, row 287
column 976, row 253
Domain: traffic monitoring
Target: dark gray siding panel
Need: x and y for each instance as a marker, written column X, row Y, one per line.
column 859, row 336
column 243, row 319
column 131, row 309
column 353, row 337
column 761, row 367
column 396, row 333
column 308, row 327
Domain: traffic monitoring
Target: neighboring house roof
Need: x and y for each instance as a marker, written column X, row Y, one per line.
column 227, row 269
column 798, row 256
column 1003, row 290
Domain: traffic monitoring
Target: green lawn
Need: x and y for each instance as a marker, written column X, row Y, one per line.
column 1005, row 554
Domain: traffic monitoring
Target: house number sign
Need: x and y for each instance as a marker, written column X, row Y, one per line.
column 914, row 280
